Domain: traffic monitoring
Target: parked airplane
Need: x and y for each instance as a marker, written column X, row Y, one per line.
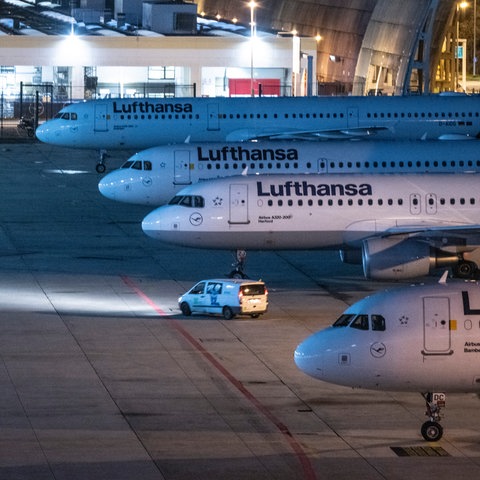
column 155, row 175
column 398, row 226
column 423, row 338
column 148, row 122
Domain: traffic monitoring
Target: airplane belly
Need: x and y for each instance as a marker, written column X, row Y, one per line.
column 235, row 239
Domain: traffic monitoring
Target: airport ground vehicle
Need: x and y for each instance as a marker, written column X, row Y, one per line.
column 228, row 297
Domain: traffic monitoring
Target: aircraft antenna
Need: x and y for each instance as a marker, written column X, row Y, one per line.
column 443, row 279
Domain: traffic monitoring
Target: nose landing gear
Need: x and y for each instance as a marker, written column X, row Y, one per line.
column 100, row 168
column 431, row 430
column 239, row 265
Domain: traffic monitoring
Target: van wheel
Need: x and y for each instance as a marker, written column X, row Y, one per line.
column 227, row 313
column 255, row 315
column 185, row 308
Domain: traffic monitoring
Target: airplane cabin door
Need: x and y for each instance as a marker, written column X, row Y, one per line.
column 238, row 203
column 213, row 119
column 436, row 326
column 181, row 175
column 101, row 116
column 352, row 117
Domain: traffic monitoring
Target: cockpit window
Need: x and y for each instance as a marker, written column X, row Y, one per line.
column 137, row 165
column 360, row 322
column 175, row 200
column 188, row 201
column 378, row 323
column 127, row 164
column 147, row 165
column 344, row 320
column 66, row 115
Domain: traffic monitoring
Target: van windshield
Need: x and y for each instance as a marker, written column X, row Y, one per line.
column 254, row 289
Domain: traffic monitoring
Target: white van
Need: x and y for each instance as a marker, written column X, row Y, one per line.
column 229, row 297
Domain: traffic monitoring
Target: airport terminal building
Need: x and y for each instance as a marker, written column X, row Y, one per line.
column 55, row 54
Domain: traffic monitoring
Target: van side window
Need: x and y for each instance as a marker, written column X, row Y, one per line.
column 198, row 289
column 215, row 288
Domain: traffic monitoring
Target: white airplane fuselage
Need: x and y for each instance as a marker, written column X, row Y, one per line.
column 153, row 176
column 142, row 123
column 313, row 211
column 397, row 226
column 423, row 338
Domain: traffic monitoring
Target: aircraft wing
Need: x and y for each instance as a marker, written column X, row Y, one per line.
column 436, row 233
column 441, row 235
column 337, row 134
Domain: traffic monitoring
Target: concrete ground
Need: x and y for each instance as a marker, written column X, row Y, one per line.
column 101, row 377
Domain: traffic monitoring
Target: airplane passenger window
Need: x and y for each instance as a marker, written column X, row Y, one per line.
column 378, row 323
column 360, row 322
column 343, row 320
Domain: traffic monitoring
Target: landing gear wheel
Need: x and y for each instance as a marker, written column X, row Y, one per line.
column 185, row 308
column 432, row 431
column 100, row 168
column 465, row 269
column 239, row 265
column 227, row 313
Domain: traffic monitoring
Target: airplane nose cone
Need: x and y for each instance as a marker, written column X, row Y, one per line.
column 309, row 356
column 42, row 133
column 151, row 224
column 108, row 186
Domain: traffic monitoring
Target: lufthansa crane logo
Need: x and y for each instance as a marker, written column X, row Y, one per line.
column 378, row 350
column 196, row 219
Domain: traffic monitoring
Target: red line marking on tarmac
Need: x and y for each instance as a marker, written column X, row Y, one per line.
column 308, row 470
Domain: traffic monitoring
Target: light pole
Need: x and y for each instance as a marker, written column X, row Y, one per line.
column 252, row 6
column 460, row 6
column 474, row 48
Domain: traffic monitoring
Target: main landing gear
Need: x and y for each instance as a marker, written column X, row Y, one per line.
column 431, row 429
column 239, row 265
column 100, row 168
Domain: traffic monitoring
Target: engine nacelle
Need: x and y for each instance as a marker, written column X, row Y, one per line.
column 397, row 258
column 351, row 256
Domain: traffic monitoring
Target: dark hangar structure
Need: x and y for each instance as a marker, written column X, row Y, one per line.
column 366, row 46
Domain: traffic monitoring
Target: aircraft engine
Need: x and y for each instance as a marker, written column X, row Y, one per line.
column 399, row 258
column 351, row 256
